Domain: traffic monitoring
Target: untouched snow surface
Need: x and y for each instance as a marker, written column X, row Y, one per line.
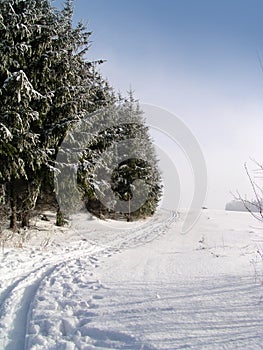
column 134, row 285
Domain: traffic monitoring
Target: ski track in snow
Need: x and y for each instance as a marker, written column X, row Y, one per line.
column 41, row 310
column 124, row 289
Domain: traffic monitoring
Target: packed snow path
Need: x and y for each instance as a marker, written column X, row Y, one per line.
column 136, row 286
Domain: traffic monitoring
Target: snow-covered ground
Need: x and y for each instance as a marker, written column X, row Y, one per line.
column 134, row 285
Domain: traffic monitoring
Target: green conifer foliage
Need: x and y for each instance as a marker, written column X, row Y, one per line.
column 46, row 84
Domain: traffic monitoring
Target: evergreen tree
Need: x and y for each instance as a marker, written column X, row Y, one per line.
column 119, row 169
column 76, row 87
column 45, row 85
column 21, row 152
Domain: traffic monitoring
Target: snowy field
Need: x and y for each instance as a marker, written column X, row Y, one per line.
column 134, row 285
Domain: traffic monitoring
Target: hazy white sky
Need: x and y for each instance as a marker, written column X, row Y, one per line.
column 198, row 60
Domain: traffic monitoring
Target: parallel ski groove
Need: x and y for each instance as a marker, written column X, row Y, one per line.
column 17, row 299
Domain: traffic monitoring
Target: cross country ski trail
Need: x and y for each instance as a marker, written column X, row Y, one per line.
column 54, row 285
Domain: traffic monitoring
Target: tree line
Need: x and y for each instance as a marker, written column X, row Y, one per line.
column 47, row 86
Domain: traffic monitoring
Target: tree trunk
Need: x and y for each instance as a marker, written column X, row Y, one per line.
column 60, row 221
column 29, row 197
column 25, row 218
column 13, row 205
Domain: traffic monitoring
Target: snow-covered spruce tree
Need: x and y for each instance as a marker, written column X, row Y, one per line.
column 21, row 155
column 45, row 85
column 78, row 89
column 119, row 170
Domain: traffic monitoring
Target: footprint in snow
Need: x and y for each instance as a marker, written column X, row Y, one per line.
column 112, row 339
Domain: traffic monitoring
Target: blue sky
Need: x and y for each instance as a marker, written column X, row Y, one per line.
column 199, row 60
